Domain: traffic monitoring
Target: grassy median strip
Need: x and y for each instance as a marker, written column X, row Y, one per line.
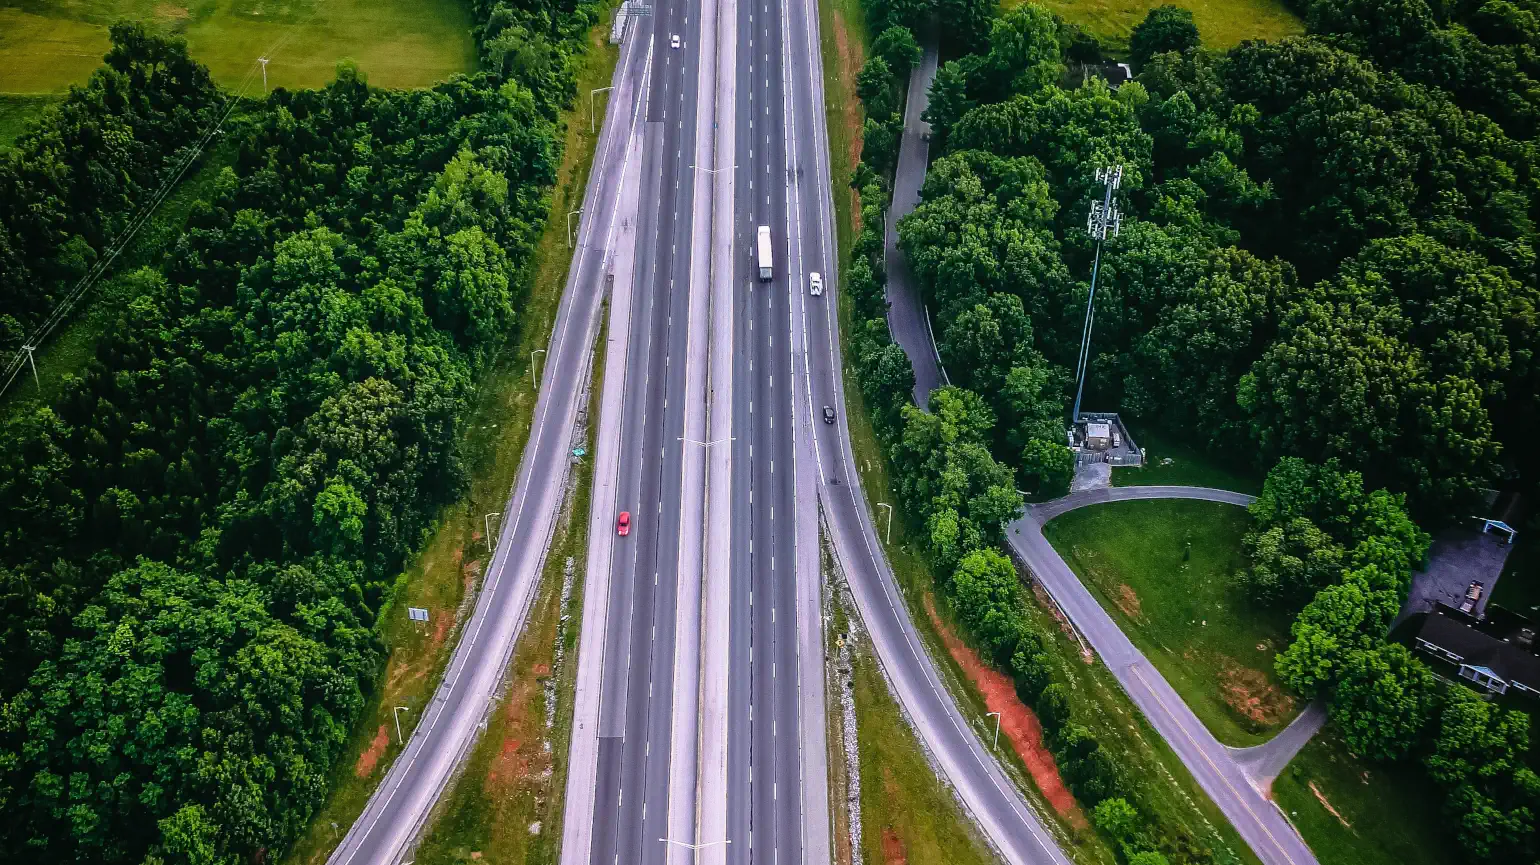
column 445, row 574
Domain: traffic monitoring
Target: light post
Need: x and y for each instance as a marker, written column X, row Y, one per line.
column 592, row 127
column 487, row 522
column 570, row 214
column 532, row 354
column 397, row 713
column 889, row 538
column 996, row 745
column 1104, row 215
column 263, row 61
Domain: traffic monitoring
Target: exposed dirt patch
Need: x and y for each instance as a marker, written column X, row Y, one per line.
column 1128, row 601
column 521, row 756
column 1326, row 803
column 1252, row 696
column 470, row 570
column 540, row 670
column 171, row 12
column 893, row 852
column 372, row 754
column 1018, row 724
column 849, row 64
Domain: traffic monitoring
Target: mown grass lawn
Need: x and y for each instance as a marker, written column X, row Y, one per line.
column 47, row 46
column 16, row 111
column 1221, row 23
column 1189, row 466
column 1184, row 610
column 1355, row 813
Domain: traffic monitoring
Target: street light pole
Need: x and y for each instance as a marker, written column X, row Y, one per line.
column 570, row 214
column 889, row 538
column 263, row 61
column 532, row 354
column 996, row 745
column 397, row 713
column 592, row 126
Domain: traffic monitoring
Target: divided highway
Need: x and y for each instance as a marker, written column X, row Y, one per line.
column 401, row 804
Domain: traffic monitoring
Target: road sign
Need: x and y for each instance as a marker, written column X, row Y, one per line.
column 417, row 614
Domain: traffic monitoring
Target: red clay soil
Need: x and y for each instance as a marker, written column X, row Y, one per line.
column 1018, row 724
column 893, row 852
column 372, row 754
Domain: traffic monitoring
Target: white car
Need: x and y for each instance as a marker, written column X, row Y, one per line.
column 815, row 284
column 673, row 40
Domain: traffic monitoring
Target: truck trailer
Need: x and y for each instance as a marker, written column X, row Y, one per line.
column 764, row 253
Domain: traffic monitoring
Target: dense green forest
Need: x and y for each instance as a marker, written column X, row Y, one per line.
column 1327, row 263
column 197, row 539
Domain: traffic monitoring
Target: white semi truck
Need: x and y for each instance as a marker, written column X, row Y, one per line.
column 764, row 253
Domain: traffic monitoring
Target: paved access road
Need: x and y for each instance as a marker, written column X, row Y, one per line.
column 1258, row 820
column 907, row 318
column 401, row 804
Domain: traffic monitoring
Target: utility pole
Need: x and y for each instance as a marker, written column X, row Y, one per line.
column 1104, row 216
column 29, row 349
column 263, row 61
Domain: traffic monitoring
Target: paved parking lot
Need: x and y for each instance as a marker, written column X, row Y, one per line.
column 1458, row 557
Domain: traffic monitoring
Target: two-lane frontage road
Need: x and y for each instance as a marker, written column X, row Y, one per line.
column 400, row 806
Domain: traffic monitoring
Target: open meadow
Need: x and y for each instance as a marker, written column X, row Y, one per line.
column 47, row 45
column 1221, row 23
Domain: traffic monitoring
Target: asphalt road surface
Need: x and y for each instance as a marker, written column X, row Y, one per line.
column 1259, row 822
column 906, row 310
column 637, row 764
column 400, row 805
column 764, row 796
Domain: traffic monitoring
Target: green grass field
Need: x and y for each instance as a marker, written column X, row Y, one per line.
column 1188, row 617
column 16, row 112
column 47, row 45
column 1221, row 23
column 1356, row 813
column 1189, row 466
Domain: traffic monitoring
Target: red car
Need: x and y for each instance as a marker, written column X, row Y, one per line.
column 623, row 527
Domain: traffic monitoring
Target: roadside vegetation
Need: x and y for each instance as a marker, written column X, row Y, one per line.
column 1360, row 333
column 46, row 47
column 214, row 529
column 1166, row 571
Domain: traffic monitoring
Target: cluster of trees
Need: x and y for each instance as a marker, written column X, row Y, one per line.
column 71, row 184
column 1317, row 256
column 198, row 539
column 1008, row 400
column 1319, row 535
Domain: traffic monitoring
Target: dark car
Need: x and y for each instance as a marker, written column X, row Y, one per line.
column 828, row 414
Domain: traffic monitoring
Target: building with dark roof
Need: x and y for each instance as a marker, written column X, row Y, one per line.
column 1494, row 653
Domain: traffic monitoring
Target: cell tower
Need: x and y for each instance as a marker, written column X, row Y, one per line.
column 1104, row 217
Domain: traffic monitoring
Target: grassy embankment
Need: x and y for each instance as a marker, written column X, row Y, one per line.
column 506, row 804
column 1184, row 610
column 1188, row 466
column 1352, row 812
column 1180, row 801
column 45, row 47
column 16, row 111
column 1221, row 23
column 450, row 565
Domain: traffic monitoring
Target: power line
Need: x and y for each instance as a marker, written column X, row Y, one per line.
column 104, row 263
